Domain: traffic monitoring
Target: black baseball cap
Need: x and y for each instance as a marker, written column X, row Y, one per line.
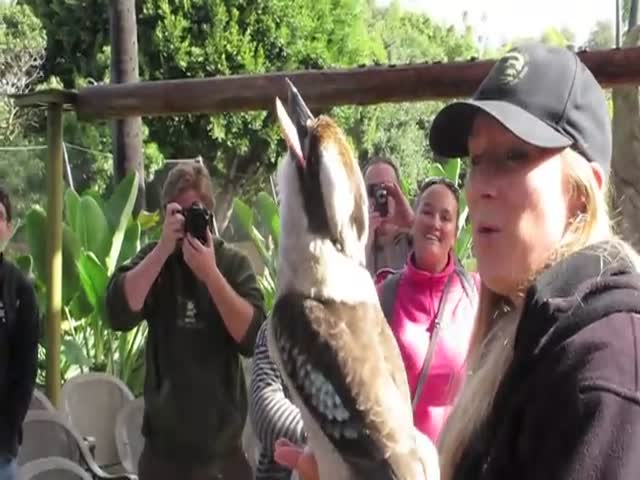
column 544, row 95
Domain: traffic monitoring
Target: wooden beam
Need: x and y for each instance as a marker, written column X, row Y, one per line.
column 322, row 88
column 44, row 98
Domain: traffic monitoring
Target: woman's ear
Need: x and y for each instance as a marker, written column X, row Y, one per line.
column 598, row 174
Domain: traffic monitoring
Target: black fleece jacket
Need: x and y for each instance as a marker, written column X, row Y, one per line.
column 19, row 333
column 568, row 407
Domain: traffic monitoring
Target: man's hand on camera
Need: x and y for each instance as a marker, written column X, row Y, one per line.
column 200, row 258
column 403, row 213
column 400, row 221
column 172, row 228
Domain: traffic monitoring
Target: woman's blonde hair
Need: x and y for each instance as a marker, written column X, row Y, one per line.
column 188, row 176
column 491, row 347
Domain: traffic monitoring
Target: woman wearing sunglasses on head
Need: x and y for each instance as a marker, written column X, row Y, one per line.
column 430, row 306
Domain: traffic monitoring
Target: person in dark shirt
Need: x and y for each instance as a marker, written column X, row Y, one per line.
column 203, row 308
column 19, row 330
column 553, row 390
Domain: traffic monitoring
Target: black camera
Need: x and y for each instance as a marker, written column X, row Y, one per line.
column 197, row 220
column 378, row 193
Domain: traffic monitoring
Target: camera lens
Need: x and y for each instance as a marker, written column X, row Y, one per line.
column 381, row 195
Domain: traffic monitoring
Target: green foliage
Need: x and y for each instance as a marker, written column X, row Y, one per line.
column 96, row 235
column 558, row 37
column 264, row 231
column 399, row 131
column 92, row 166
column 77, row 55
column 200, row 38
column 262, row 225
column 410, row 37
column 22, row 173
column 77, row 32
column 601, row 36
column 197, row 38
column 22, row 44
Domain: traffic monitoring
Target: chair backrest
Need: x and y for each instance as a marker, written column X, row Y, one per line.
column 46, row 434
column 128, row 434
column 39, row 401
column 52, row 468
column 91, row 402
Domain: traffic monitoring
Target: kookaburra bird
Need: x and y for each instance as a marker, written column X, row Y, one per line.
column 328, row 335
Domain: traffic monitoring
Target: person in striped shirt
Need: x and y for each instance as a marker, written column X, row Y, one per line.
column 271, row 413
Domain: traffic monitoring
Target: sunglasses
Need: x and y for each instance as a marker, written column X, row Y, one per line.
column 430, row 182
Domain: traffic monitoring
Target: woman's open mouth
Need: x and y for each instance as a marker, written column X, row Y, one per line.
column 484, row 229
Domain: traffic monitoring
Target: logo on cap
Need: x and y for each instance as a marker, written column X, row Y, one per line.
column 511, row 68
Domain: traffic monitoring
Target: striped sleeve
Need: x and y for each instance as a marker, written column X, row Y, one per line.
column 272, row 414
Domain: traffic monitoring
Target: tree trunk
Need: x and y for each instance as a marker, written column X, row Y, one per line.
column 126, row 132
column 625, row 175
column 634, row 14
column 224, row 206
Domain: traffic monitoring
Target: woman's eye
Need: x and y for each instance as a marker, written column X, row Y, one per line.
column 516, row 155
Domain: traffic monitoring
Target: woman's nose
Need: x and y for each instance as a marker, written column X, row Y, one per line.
column 481, row 184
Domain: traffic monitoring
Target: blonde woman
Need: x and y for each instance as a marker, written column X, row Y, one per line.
column 553, row 385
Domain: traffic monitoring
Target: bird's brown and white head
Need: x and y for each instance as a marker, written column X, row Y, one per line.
column 323, row 201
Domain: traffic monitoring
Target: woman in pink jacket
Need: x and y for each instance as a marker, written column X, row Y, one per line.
column 430, row 306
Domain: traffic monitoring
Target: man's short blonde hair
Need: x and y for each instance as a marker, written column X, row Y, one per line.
column 188, row 176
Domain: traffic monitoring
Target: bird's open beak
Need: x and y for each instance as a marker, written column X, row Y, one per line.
column 289, row 133
column 294, row 126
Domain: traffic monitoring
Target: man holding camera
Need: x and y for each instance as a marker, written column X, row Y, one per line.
column 390, row 218
column 203, row 308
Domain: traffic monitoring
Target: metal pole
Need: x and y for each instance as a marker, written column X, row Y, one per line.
column 67, row 167
column 274, row 190
column 54, row 249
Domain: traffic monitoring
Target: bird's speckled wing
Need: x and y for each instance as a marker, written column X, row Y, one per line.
column 335, row 357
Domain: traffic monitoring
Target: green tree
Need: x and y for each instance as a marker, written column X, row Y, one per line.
column 559, row 37
column 601, row 36
column 78, row 54
column 22, row 50
column 400, row 130
column 77, row 37
column 200, row 38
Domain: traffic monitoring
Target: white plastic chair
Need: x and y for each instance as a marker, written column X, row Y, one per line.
column 53, row 468
column 90, row 402
column 39, row 401
column 128, row 432
column 47, row 434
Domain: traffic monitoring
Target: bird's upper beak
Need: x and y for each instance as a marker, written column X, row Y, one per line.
column 295, row 123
